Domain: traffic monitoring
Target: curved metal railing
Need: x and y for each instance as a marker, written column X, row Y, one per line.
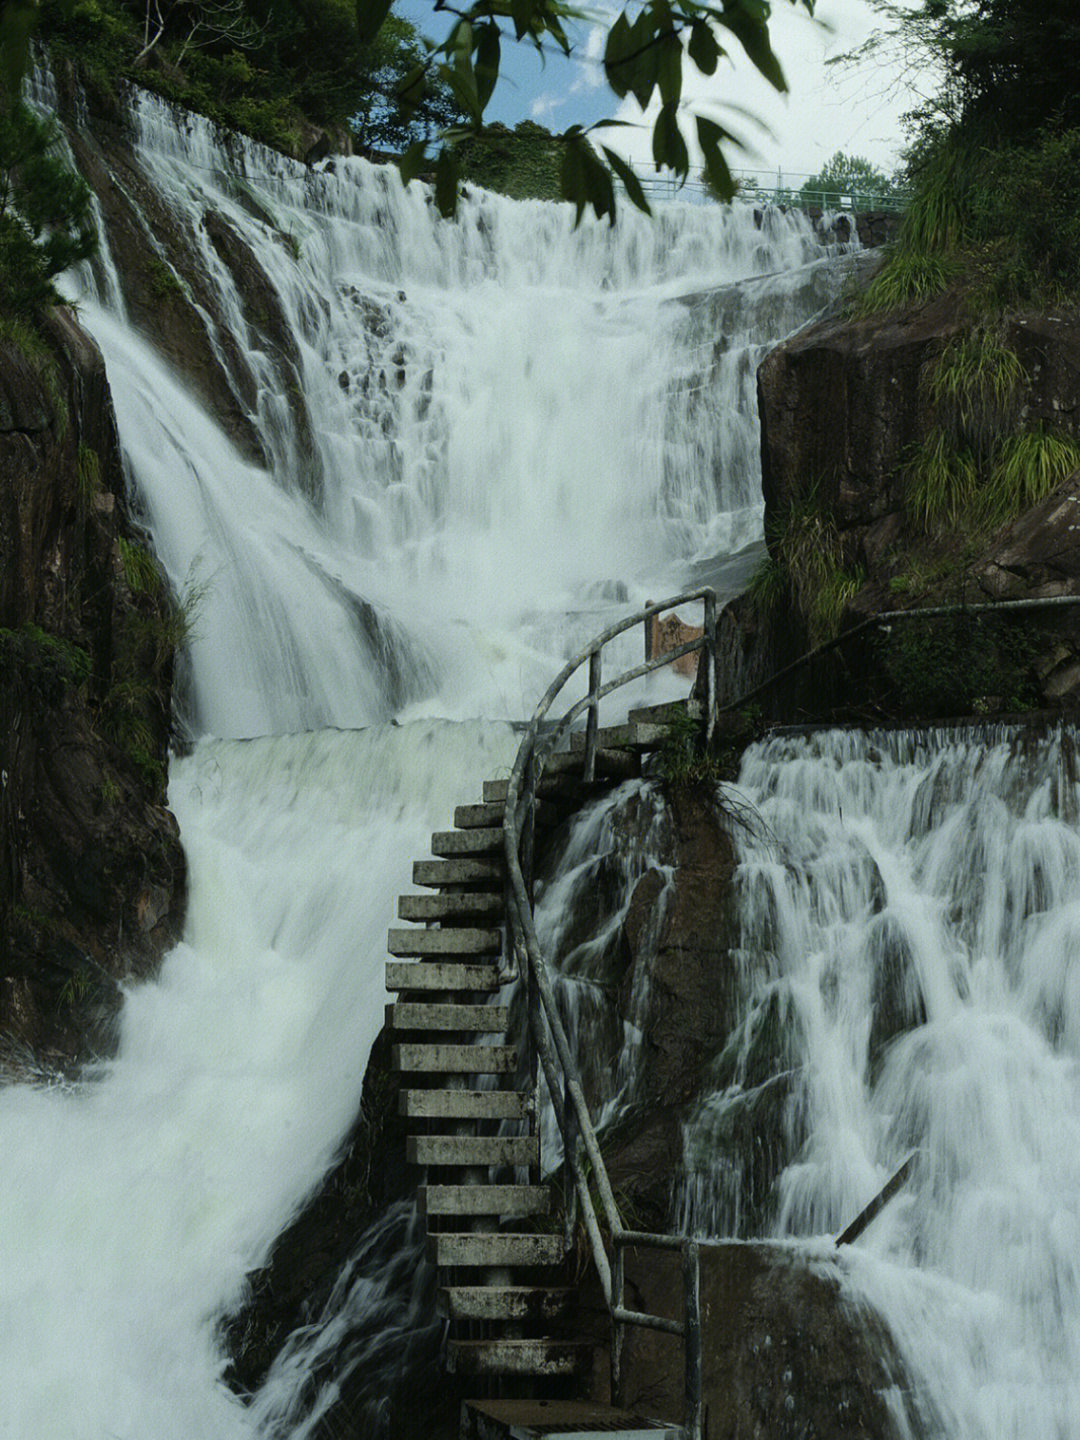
column 550, row 1046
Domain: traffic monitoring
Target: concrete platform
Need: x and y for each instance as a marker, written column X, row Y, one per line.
column 558, row 1420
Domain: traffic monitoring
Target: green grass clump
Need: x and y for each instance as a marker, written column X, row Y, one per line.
column 908, row 277
column 141, row 573
column 976, row 382
column 940, row 482
column 806, row 569
column 1027, row 467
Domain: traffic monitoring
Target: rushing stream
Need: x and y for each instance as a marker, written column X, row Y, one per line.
column 512, row 432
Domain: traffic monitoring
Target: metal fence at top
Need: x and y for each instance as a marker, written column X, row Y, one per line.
column 772, row 187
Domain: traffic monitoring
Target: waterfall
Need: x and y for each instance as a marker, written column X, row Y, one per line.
column 909, row 911
column 454, row 452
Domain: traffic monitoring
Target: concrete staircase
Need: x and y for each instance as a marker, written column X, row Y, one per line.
column 470, row 1113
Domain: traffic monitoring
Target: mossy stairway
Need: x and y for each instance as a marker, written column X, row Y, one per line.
column 467, row 1095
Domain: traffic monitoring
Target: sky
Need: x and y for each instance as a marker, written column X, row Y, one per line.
column 829, row 108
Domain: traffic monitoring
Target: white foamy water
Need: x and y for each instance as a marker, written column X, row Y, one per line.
column 516, row 431
column 131, row 1210
column 917, row 903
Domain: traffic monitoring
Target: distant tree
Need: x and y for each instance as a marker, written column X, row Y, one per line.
column 387, row 63
column 45, row 211
column 847, row 175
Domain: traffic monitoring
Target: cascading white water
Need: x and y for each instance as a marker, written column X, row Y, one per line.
column 910, row 910
column 515, row 429
column 518, row 426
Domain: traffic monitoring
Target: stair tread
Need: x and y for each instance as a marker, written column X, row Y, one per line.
column 455, row 1059
column 504, row 1302
column 470, row 817
column 638, row 736
column 665, row 713
column 484, row 1199
column 485, row 840
column 465, row 870
column 481, row 1019
column 459, row 940
column 616, row 763
column 478, row 904
column 463, row 1104
column 501, row 1248
column 445, row 976
column 517, row 1357
column 470, row 1150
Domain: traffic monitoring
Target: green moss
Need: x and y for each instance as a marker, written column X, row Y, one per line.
column 959, row 664
column 42, row 660
column 163, row 280
column 27, row 340
column 87, row 473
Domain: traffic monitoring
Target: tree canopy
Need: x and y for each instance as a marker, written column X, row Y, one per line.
column 847, row 175
column 648, row 46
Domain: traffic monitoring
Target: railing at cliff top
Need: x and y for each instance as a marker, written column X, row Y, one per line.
column 551, row 1046
column 773, row 188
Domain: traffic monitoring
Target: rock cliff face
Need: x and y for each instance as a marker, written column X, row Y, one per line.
column 92, row 876
column 844, row 405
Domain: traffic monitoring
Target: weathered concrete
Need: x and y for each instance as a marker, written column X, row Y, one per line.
column 472, row 1150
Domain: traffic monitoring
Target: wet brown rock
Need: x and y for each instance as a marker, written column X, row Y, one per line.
column 92, row 876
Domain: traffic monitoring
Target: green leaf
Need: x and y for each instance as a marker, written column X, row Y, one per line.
column 753, row 34
column 446, row 183
column 703, row 49
column 413, row 161
column 669, row 147
column 631, row 183
column 16, row 27
column 487, row 62
column 718, row 175
column 620, row 44
column 522, row 12
column 669, row 58
column 370, row 15
column 641, row 63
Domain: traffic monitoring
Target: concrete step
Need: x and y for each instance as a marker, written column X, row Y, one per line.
column 503, row 1248
column 504, row 1302
column 472, row 817
column 559, row 1420
column 666, row 714
column 444, row 976
column 484, row 1199
column 455, row 1059
column 487, row 840
column 460, row 940
column 475, row 871
column 452, row 908
column 478, row 1019
column 556, row 788
column 472, row 1149
column 615, row 764
column 463, row 1104
column 625, row 737
column 517, row 1357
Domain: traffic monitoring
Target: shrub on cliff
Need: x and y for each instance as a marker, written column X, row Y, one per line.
column 45, row 214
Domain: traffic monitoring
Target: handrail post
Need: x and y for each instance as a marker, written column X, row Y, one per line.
column 618, row 1327
column 692, row 1338
column 532, row 993
column 711, row 657
column 592, row 723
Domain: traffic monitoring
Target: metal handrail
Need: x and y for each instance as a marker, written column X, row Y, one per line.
column 552, row 1048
